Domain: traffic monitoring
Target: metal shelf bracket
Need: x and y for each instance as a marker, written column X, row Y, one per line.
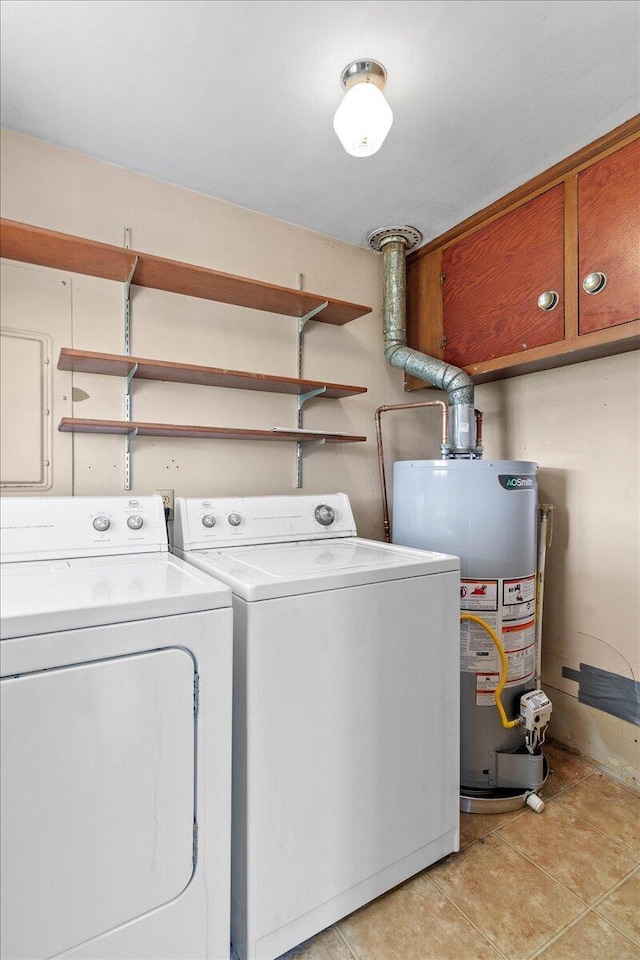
column 127, row 390
column 127, row 457
column 299, row 451
column 127, row 307
column 304, row 320
column 302, row 398
column 127, row 351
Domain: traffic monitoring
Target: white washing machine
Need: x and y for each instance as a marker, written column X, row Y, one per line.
column 116, row 737
column 346, row 723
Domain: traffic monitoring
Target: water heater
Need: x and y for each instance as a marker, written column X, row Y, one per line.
column 485, row 512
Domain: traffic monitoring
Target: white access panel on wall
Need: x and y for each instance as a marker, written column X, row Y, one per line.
column 100, row 818
column 25, row 383
column 35, row 321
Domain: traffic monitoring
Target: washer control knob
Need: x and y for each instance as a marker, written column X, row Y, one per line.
column 208, row 520
column 325, row 514
column 101, row 524
column 234, row 519
column 135, row 522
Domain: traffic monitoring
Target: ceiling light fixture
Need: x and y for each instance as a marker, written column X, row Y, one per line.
column 364, row 117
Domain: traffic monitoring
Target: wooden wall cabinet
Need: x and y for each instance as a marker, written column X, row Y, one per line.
column 494, row 278
column 472, row 294
column 609, row 239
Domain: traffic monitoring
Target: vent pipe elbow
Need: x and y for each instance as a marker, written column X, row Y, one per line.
column 393, row 243
column 457, row 384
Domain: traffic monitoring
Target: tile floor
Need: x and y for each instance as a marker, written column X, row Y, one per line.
column 561, row 885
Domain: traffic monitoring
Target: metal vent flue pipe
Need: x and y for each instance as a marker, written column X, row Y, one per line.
column 393, row 243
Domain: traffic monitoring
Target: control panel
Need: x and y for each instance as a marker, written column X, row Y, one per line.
column 49, row 528
column 535, row 713
column 202, row 523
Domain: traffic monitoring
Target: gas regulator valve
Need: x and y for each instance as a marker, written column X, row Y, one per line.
column 535, row 713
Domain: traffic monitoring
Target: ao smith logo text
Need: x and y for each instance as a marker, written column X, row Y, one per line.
column 517, row 481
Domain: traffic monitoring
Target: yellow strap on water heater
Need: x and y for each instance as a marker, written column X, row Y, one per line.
column 497, row 695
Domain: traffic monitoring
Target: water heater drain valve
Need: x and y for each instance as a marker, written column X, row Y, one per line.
column 535, row 712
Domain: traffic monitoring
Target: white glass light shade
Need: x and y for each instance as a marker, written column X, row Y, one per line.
column 363, row 119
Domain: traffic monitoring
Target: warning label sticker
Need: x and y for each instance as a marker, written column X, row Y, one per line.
column 517, row 636
column 521, row 669
column 486, row 683
column 478, row 595
column 477, row 649
column 485, row 700
column 508, row 607
column 518, row 598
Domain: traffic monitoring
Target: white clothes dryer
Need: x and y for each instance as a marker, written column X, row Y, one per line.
column 116, row 737
column 346, row 723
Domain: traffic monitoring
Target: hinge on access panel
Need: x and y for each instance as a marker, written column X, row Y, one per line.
column 196, row 693
column 443, row 277
column 195, row 842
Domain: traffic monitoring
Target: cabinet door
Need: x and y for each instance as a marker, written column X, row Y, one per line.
column 493, row 279
column 609, row 238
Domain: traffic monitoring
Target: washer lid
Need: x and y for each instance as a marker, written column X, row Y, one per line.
column 49, row 595
column 267, row 571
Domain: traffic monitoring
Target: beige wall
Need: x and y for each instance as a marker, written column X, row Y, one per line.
column 579, row 423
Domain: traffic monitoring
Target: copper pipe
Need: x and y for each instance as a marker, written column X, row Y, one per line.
column 383, row 480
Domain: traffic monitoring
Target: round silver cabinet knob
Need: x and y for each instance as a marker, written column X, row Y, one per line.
column 208, row 520
column 234, row 519
column 135, row 523
column 101, row 524
column 594, row 282
column 325, row 514
column 548, row 300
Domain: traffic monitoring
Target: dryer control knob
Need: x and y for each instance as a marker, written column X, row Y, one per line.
column 234, row 519
column 208, row 520
column 135, row 522
column 325, row 514
column 101, row 524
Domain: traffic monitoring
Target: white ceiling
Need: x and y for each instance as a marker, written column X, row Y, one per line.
column 235, row 98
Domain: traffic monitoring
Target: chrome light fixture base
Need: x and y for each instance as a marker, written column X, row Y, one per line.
column 364, row 118
column 371, row 71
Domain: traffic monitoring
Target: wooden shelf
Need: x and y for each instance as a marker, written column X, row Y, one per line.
column 115, row 365
column 30, row 244
column 123, row 427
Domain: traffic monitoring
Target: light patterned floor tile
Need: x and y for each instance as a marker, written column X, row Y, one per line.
column 574, row 853
column 565, row 770
column 592, row 938
column 622, row 907
column 414, row 922
column 473, row 826
column 606, row 805
column 510, row 900
column 327, row 945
